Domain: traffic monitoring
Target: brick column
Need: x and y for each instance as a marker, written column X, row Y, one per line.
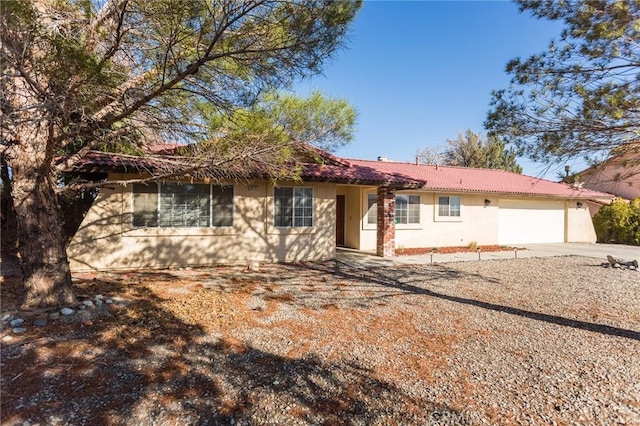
column 386, row 226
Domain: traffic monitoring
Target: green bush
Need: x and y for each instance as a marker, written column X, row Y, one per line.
column 619, row 222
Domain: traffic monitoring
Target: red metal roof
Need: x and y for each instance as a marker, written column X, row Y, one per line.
column 338, row 170
column 106, row 161
column 464, row 179
column 368, row 172
column 357, row 174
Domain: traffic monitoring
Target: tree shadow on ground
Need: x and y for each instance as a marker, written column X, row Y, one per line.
column 405, row 280
column 140, row 363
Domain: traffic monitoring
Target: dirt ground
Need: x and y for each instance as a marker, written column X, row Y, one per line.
column 454, row 249
column 321, row 343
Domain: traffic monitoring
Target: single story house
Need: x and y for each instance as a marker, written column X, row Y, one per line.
column 366, row 205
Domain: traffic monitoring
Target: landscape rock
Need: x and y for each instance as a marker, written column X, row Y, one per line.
column 18, row 330
column 17, row 322
column 67, row 311
column 98, row 302
column 82, row 307
column 7, row 338
column 619, row 263
column 109, row 301
column 88, row 303
column 613, row 260
column 40, row 322
column 6, row 317
column 54, row 315
column 99, row 297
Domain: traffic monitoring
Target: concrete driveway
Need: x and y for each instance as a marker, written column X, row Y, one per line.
column 599, row 251
column 588, row 250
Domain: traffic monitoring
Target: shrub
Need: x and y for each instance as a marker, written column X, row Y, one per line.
column 619, row 222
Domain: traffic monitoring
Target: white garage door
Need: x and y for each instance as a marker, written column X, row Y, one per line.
column 523, row 222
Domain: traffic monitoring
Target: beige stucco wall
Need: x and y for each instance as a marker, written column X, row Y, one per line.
column 594, row 207
column 106, row 239
column 579, row 224
column 480, row 223
column 620, row 177
column 477, row 222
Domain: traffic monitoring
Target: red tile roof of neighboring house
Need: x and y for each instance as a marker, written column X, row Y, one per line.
column 159, row 147
column 464, row 179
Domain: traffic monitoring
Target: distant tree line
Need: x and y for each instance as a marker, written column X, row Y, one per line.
column 472, row 150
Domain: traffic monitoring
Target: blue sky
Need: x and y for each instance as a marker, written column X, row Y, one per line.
column 419, row 72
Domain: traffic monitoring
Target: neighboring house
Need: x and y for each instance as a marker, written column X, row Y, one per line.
column 366, row 205
column 619, row 175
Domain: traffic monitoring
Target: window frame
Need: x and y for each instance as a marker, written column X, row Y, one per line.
column 180, row 208
column 408, row 196
column 368, row 210
column 447, row 217
column 366, row 222
column 294, row 208
column 158, row 209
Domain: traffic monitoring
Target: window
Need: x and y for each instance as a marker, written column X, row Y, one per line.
column 222, row 206
column 407, row 209
column 293, row 207
column 372, row 209
column 449, row 206
column 182, row 205
column 145, row 205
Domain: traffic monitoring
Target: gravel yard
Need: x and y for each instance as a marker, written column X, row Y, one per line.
column 528, row 341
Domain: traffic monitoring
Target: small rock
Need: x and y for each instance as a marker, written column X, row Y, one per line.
column 88, row 303
column 67, row 311
column 18, row 330
column 6, row 317
column 82, row 307
column 615, row 260
column 54, row 315
column 616, row 265
column 6, row 338
column 40, row 322
column 16, row 322
column 99, row 297
column 109, row 301
column 98, row 302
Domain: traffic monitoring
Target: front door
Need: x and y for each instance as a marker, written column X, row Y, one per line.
column 340, row 213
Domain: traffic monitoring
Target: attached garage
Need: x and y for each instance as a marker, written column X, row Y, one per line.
column 530, row 221
column 441, row 206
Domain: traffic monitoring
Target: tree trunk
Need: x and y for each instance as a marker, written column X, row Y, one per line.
column 43, row 258
column 8, row 237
